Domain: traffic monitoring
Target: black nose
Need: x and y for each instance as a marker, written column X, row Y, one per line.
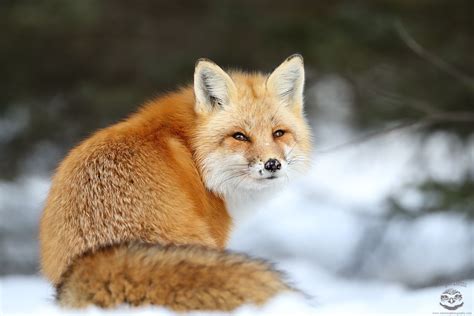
column 272, row 165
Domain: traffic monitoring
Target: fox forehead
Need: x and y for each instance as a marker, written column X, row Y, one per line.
column 253, row 106
column 249, row 85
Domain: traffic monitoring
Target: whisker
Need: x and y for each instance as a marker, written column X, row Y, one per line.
column 291, row 150
column 244, row 177
column 295, row 160
column 233, row 176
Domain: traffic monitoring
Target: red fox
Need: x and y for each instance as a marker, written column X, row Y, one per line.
column 140, row 212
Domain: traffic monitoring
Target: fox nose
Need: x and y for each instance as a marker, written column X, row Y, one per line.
column 272, row 165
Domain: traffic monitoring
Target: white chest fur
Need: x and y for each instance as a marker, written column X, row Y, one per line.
column 243, row 205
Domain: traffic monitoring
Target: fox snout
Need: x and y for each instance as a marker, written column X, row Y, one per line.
column 267, row 169
column 272, row 165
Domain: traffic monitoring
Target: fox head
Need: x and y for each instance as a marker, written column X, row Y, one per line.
column 251, row 132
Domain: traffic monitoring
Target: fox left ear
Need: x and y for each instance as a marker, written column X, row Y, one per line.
column 287, row 81
column 213, row 87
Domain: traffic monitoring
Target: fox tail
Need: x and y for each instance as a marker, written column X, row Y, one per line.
column 182, row 278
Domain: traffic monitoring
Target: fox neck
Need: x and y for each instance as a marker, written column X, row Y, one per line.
column 243, row 205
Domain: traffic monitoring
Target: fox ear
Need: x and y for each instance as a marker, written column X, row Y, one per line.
column 212, row 86
column 287, row 81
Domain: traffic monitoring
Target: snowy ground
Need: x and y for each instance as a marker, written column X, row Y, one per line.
column 325, row 231
column 33, row 295
column 328, row 230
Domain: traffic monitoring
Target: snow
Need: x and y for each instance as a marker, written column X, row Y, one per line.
column 326, row 233
column 33, row 295
column 329, row 230
column 20, row 206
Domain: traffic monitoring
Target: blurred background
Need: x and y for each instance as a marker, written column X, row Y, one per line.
column 389, row 93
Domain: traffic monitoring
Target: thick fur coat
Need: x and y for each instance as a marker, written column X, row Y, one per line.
column 139, row 212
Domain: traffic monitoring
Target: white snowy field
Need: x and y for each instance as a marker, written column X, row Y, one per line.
column 329, row 230
column 326, row 233
column 33, row 295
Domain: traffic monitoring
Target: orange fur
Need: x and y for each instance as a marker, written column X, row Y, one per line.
column 147, row 179
column 133, row 181
column 181, row 278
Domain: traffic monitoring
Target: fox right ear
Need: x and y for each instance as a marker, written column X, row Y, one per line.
column 212, row 86
column 287, row 81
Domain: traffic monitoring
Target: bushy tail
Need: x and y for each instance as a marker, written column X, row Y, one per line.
column 179, row 277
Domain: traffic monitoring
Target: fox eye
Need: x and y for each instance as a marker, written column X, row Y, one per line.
column 241, row 137
column 278, row 133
